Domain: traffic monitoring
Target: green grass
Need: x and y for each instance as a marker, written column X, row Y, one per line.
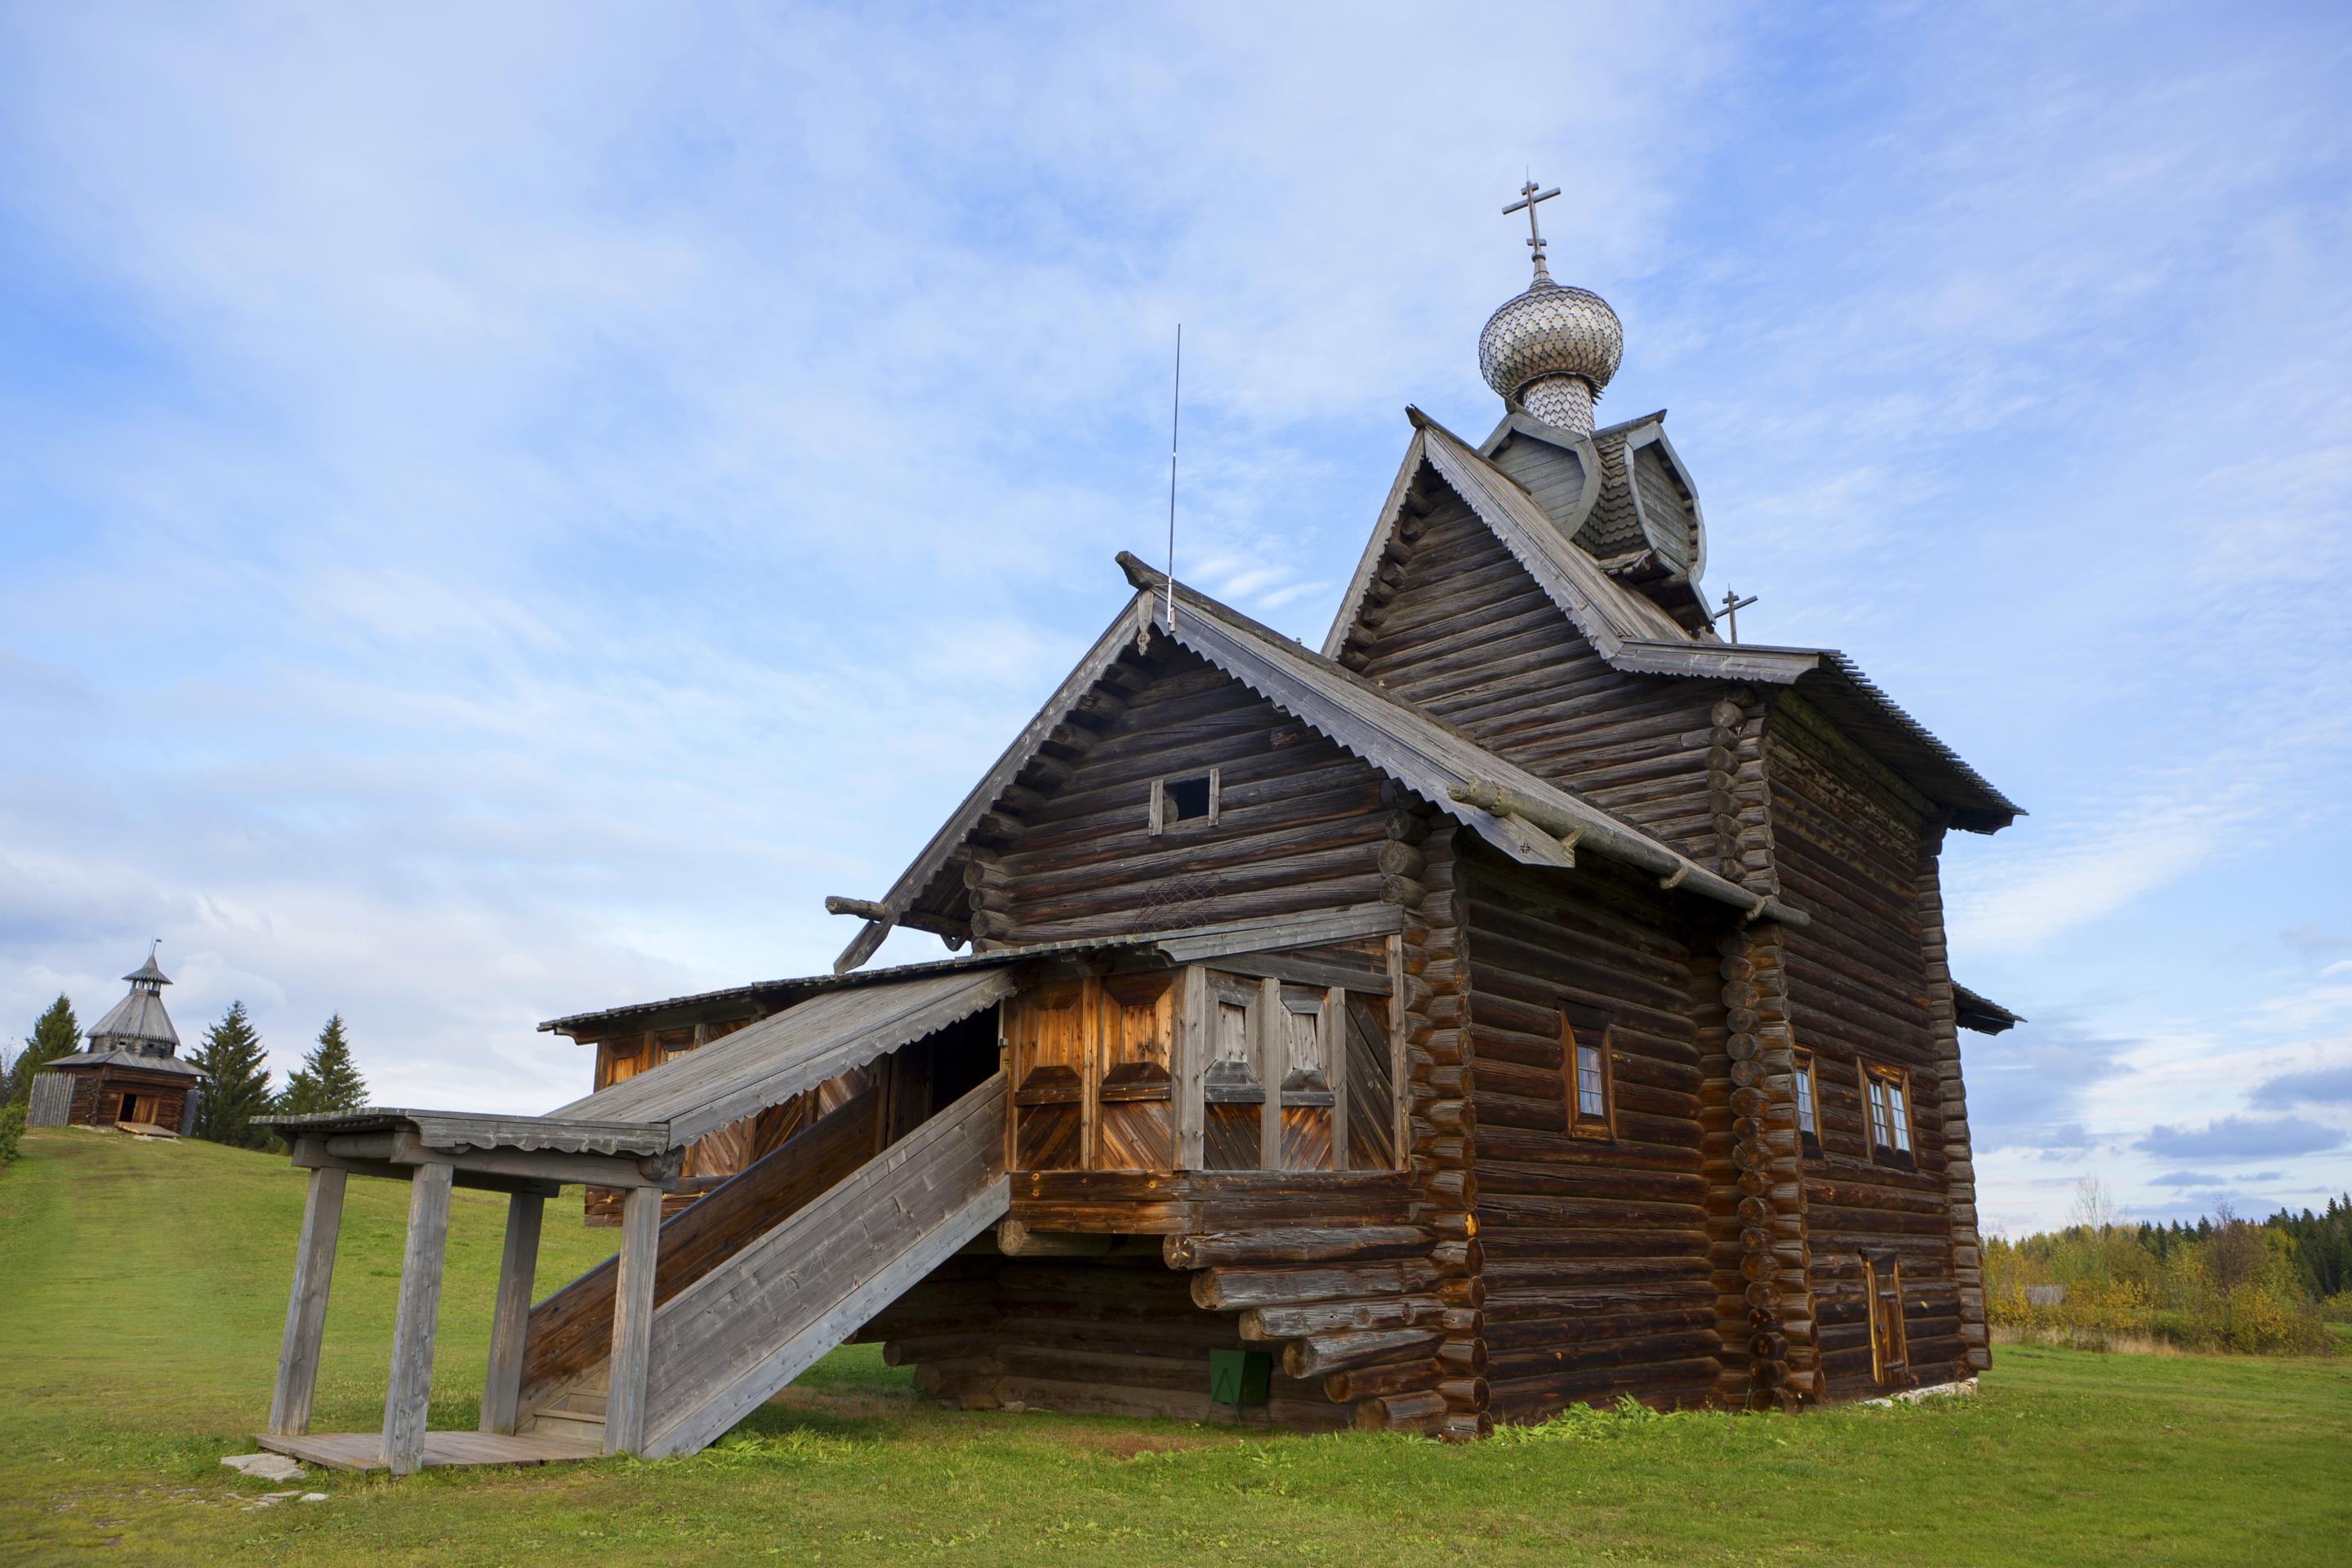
column 142, row 1287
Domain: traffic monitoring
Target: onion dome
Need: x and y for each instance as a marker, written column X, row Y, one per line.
column 1552, row 348
column 1552, row 334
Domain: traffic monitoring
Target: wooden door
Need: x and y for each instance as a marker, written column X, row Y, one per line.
column 1889, row 1354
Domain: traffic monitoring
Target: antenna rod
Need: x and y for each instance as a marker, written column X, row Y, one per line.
column 1175, row 416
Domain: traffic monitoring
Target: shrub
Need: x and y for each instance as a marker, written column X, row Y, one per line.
column 12, row 1131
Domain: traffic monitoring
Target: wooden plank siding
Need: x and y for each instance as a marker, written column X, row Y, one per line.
column 1470, row 636
column 1849, row 839
column 1598, row 1280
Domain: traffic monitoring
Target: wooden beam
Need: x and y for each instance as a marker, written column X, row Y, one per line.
column 633, row 1321
column 306, row 1304
column 864, row 908
column 409, row 1388
column 502, row 1384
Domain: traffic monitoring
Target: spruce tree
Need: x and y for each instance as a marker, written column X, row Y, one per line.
column 327, row 1079
column 57, row 1034
column 239, row 1069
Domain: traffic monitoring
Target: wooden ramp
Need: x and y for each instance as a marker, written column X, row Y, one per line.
column 742, row 1331
column 363, row 1450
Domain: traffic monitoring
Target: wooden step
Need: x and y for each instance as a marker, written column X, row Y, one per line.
column 569, row 1420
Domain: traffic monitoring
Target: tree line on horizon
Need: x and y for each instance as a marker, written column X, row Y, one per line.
column 2269, row 1286
column 237, row 1065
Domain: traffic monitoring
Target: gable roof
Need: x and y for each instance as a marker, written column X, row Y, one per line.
column 1636, row 635
column 1530, row 820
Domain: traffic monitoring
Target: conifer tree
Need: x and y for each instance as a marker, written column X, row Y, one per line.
column 239, row 1069
column 57, row 1034
column 327, row 1079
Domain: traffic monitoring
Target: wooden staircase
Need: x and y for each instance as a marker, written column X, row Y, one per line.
column 769, row 1272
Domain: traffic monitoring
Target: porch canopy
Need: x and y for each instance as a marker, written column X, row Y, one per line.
column 629, row 1136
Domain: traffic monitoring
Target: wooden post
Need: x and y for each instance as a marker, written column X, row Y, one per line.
column 633, row 1320
column 502, row 1386
column 409, row 1388
column 306, row 1304
column 1272, row 1057
column 1334, row 1031
column 1188, row 1060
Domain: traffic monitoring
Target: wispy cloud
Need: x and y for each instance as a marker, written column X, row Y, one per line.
column 503, row 515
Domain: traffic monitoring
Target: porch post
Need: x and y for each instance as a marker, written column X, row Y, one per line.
column 633, row 1320
column 502, row 1387
column 410, row 1386
column 306, row 1304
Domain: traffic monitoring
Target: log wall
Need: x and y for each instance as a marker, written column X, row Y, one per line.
column 1850, row 841
column 1121, row 1284
column 1465, row 632
column 1597, row 1271
column 1296, row 828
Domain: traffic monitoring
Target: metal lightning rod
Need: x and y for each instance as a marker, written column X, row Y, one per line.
column 1175, row 417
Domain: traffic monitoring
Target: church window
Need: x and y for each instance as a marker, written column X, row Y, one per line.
column 1592, row 1089
column 1807, row 1127
column 1886, row 1092
column 1175, row 800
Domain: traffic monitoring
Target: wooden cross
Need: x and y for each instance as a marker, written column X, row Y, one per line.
column 1529, row 197
column 1730, row 607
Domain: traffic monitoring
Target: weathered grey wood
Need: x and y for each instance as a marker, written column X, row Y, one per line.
column 360, row 1450
column 633, row 1322
column 1307, row 972
column 309, row 1154
column 549, row 1167
column 865, row 909
column 745, row 1329
column 1273, row 1048
column 306, row 1303
column 1191, row 1053
column 796, row 1049
column 511, row 1317
column 409, row 1388
column 1335, row 1067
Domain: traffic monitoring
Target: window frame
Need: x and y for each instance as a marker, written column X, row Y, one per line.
column 1886, row 1092
column 1806, row 1090
column 1161, row 819
column 1581, row 1029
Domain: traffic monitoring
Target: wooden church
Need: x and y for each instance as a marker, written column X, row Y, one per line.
column 128, row 1074
column 1532, row 997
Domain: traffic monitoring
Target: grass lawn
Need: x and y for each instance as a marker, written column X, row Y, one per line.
column 142, row 1287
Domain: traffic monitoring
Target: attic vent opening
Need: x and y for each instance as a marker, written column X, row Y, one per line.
column 1175, row 800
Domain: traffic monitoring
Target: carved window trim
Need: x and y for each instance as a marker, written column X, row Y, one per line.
column 1164, row 800
column 1587, row 1071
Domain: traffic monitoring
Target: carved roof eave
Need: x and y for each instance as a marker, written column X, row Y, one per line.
column 1634, row 635
column 1608, row 614
column 1401, row 740
column 1836, row 685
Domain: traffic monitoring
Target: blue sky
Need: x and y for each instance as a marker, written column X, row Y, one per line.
column 505, row 509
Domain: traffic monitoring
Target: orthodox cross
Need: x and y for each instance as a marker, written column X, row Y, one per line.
column 1529, row 197
column 1730, row 607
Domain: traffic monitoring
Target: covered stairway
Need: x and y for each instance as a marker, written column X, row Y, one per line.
column 697, row 1321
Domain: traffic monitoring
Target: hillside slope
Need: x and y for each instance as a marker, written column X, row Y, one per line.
column 142, row 1287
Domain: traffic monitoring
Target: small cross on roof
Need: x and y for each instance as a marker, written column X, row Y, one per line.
column 1528, row 196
